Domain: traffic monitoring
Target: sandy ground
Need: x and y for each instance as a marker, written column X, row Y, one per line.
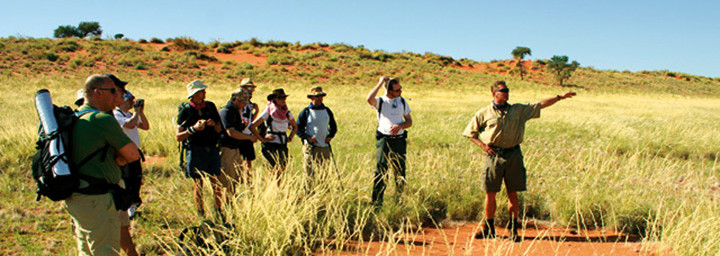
column 538, row 240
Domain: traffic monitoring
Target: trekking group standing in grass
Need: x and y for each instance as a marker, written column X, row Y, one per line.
column 219, row 145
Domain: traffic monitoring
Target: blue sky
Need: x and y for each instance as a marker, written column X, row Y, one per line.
column 679, row 36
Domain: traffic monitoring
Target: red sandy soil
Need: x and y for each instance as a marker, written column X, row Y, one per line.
column 150, row 160
column 538, row 240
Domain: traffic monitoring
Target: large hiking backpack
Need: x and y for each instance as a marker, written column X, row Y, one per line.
column 57, row 186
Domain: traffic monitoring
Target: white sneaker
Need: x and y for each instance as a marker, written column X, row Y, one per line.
column 132, row 210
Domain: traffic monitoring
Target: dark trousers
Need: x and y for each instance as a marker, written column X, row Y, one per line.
column 275, row 154
column 132, row 175
column 389, row 151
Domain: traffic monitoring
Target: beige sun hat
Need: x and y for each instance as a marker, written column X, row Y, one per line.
column 316, row 91
column 80, row 97
column 242, row 94
column 194, row 87
column 247, row 83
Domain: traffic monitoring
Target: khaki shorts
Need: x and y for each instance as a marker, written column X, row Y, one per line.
column 232, row 170
column 508, row 168
column 96, row 223
column 124, row 218
column 315, row 156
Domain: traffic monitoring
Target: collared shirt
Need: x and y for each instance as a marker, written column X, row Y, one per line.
column 501, row 128
column 94, row 131
column 393, row 112
column 232, row 118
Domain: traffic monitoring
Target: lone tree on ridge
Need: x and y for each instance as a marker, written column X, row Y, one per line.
column 559, row 66
column 519, row 54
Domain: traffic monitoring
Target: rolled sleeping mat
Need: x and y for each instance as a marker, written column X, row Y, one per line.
column 44, row 106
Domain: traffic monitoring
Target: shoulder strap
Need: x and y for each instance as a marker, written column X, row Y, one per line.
column 403, row 103
column 83, row 112
column 102, row 150
column 379, row 109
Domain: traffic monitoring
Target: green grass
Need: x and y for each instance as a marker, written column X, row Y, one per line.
column 635, row 152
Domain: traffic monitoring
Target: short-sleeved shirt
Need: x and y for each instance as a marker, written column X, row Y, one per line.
column 188, row 116
column 232, row 118
column 93, row 131
column 280, row 126
column 501, row 128
column 393, row 112
column 122, row 117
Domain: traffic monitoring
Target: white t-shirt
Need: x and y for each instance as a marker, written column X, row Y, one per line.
column 277, row 125
column 393, row 112
column 246, row 116
column 122, row 117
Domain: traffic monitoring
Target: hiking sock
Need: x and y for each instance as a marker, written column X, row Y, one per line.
column 487, row 230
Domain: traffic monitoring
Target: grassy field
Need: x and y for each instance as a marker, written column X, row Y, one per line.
column 639, row 155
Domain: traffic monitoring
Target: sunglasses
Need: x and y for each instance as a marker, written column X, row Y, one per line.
column 112, row 90
column 505, row 90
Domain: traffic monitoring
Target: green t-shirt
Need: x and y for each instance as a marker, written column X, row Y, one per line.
column 93, row 131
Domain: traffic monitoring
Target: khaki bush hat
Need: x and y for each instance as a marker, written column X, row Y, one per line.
column 194, row 87
column 80, row 97
column 242, row 94
column 316, row 91
column 248, row 84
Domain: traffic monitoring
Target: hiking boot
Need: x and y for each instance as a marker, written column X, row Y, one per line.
column 513, row 228
column 485, row 233
column 487, row 230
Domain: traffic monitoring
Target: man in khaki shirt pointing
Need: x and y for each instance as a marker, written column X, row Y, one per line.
column 498, row 130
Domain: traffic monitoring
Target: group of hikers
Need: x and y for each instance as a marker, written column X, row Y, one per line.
column 219, row 144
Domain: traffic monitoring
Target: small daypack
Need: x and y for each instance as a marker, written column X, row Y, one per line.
column 58, row 187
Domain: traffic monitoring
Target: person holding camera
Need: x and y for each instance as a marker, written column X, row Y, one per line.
column 393, row 114
column 131, row 122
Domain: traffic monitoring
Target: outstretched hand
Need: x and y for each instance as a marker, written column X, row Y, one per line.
column 567, row 95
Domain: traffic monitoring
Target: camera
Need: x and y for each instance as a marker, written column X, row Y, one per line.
column 139, row 102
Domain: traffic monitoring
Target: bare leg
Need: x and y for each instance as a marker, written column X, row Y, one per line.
column 126, row 241
column 514, row 207
column 490, row 205
column 197, row 195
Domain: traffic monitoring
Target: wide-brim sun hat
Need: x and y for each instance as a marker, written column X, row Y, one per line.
column 279, row 92
column 247, row 83
column 242, row 94
column 194, row 87
column 316, row 91
column 80, row 97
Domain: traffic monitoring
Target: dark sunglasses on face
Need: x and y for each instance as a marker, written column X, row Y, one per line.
column 505, row 90
column 112, row 90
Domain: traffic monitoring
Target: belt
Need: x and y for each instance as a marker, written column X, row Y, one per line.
column 503, row 151
column 379, row 135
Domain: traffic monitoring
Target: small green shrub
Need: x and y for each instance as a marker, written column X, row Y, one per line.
column 51, row 56
column 142, row 41
column 156, row 40
column 222, row 49
column 186, row 43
